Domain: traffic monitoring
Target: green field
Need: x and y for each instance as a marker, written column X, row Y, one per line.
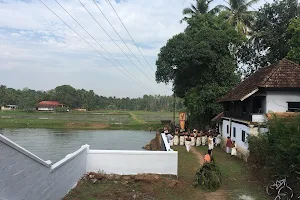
column 127, row 120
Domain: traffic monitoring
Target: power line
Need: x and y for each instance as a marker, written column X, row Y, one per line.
column 97, row 42
column 89, row 43
column 129, row 34
column 113, row 40
column 119, row 36
column 125, row 42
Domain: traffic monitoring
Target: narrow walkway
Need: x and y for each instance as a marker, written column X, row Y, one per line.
column 198, row 154
column 219, row 194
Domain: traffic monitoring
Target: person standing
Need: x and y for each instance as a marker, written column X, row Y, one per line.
column 233, row 149
column 169, row 137
column 210, row 142
column 228, row 145
column 188, row 143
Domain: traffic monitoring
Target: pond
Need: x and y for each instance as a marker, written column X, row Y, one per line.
column 54, row 145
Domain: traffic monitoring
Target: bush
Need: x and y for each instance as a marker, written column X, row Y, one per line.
column 276, row 153
column 61, row 109
column 208, row 177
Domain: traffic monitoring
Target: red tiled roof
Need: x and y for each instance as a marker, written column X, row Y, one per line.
column 52, row 103
column 283, row 74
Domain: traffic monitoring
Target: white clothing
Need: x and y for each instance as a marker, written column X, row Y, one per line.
column 218, row 140
column 176, row 140
column 210, row 143
column 228, row 149
column 181, row 140
column 188, row 145
column 203, row 138
column 198, row 141
column 192, row 141
column 233, row 150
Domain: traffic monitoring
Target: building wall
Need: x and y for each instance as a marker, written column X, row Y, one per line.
column 133, row 162
column 25, row 176
column 45, row 109
column 241, row 146
column 5, row 108
column 277, row 100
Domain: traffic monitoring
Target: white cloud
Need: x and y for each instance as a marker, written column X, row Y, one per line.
column 39, row 51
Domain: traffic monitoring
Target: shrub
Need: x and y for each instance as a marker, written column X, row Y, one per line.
column 208, row 177
column 61, row 109
column 276, row 153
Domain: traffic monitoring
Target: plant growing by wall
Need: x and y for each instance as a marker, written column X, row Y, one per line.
column 208, row 177
column 276, row 153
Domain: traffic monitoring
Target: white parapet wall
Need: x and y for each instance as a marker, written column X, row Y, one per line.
column 132, row 162
column 25, row 176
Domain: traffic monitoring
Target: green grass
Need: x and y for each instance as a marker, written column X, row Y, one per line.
column 237, row 180
column 114, row 120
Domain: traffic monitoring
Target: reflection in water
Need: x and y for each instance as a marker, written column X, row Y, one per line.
column 53, row 145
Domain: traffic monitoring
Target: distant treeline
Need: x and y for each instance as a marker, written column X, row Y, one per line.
column 80, row 98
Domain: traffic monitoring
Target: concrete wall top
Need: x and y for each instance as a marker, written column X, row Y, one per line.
column 166, row 143
column 69, row 157
column 17, row 147
column 126, row 152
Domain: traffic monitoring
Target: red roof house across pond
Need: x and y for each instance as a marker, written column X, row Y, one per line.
column 48, row 105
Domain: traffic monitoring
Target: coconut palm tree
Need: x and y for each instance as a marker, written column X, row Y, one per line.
column 201, row 7
column 238, row 14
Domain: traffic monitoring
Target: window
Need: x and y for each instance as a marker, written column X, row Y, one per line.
column 227, row 129
column 293, row 106
column 234, row 131
column 243, row 136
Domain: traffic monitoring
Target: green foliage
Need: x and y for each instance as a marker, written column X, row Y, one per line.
column 204, row 56
column 200, row 7
column 237, row 14
column 269, row 37
column 208, row 177
column 201, row 102
column 294, row 31
column 80, row 98
column 277, row 152
column 61, row 109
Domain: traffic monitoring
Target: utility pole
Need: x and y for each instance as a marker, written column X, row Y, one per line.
column 174, row 110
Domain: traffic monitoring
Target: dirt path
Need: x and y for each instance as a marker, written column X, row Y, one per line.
column 219, row 194
column 135, row 118
column 198, row 154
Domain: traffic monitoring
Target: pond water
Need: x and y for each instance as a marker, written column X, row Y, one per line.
column 54, row 145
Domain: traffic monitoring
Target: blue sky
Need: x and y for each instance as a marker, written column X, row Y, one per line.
column 38, row 51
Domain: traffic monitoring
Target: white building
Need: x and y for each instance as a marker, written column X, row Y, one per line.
column 272, row 89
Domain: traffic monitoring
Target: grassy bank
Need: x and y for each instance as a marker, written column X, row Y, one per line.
column 113, row 120
column 237, row 180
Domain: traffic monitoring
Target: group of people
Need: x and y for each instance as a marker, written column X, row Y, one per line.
column 210, row 138
column 193, row 138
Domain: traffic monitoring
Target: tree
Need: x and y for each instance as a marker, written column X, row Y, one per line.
column 205, row 62
column 201, row 7
column 269, row 41
column 238, row 14
column 294, row 42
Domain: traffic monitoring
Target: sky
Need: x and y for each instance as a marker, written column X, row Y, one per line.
column 39, row 51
